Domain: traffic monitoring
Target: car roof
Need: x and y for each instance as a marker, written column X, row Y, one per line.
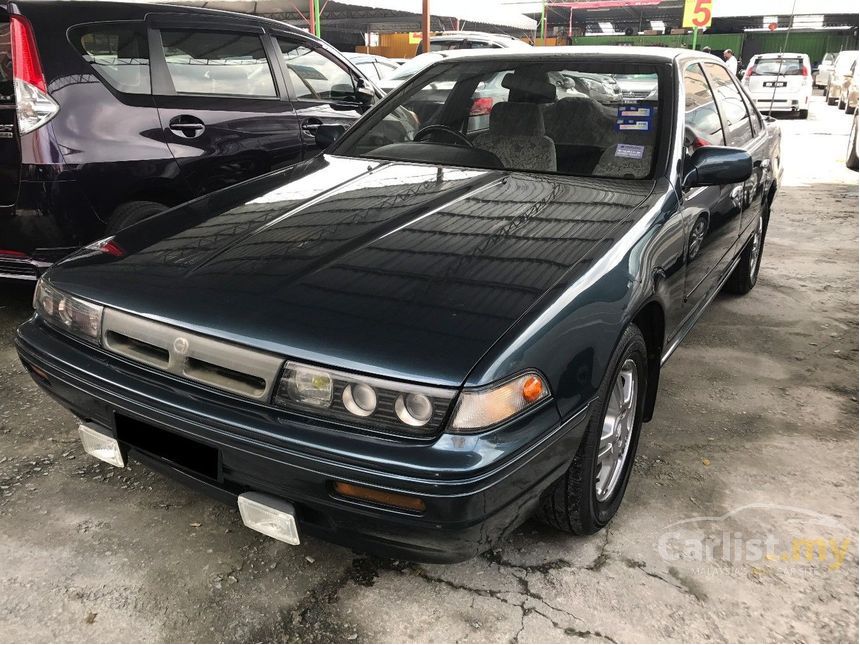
column 645, row 54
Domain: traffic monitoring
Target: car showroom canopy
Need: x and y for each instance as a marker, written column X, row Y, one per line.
column 387, row 15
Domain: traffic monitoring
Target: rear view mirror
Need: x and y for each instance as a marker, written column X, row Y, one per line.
column 328, row 134
column 717, row 165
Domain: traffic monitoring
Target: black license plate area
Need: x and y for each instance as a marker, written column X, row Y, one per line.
column 775, row 84
column 177, row 449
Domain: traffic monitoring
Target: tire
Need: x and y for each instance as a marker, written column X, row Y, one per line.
column 831, row 100
column 745, row 275
column 803, row 114
column 841, row 104
column 851, row 161
column 850, row 109
column 131, row 213
column 572, row 503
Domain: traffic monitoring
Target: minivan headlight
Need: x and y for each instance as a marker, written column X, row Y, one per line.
column 364, row 401
column 71, row 314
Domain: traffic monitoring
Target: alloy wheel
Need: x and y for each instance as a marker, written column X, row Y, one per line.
column 617, row 431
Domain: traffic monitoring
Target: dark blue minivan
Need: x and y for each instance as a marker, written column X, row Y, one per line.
column 113, row 111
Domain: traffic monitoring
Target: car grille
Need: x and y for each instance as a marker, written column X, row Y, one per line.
column 17, row 269
column 247, row 372
column 636, row 94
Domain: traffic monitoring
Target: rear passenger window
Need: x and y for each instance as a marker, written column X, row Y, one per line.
column 701, row 119
column 315, row 76
column 738, row 128
column 118, row 53
column 202, row 62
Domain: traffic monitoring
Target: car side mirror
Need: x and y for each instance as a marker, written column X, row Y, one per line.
column 717, row 165
column 328, row 134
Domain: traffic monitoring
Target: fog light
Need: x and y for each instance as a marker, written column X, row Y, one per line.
column 380, row 497
column 270, row 516
column 100, row 445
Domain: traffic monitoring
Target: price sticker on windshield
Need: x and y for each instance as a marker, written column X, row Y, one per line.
column 698, row 13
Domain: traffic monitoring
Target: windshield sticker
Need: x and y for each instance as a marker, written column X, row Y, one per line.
column 626, row 151
column 634, row 112
column 639, row 125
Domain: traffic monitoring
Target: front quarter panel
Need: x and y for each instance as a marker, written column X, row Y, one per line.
column 571, row 333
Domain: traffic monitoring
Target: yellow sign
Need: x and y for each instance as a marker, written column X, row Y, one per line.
column 697, row 13
column 414, row 37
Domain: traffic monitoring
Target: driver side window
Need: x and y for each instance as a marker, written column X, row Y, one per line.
column 313, row 75
column 702, row 125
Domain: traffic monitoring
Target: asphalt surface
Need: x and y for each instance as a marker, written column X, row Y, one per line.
column 740, row 522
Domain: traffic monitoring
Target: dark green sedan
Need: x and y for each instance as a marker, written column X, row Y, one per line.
column 452, row 320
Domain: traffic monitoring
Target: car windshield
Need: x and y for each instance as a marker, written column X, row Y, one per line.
column 519, row 115
column 411, row 67
column 775, row 66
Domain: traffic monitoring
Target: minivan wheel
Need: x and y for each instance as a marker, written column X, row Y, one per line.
column 131, row 213
column 589, row 493
column 745, row 275
column 804, row 114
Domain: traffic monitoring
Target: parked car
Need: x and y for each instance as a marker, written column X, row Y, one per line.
column 602, row 88
column 442, row 41
column 780, row 83
column 822, row 74
column 412, row 343
column 853, row 152
column 372, row 66
column 841, row 68
column 848, row 95
column 121, row 110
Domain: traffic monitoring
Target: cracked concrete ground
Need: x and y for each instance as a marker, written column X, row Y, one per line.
column 756, row 428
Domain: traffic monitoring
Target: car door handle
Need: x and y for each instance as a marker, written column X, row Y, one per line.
column 186, row 126
column 310, row 126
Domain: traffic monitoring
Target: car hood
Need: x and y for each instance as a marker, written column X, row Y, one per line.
column 410, row 271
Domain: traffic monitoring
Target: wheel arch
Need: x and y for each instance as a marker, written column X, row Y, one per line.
column 651, row 321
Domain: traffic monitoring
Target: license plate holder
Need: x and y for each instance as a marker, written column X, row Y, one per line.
column 775, row 83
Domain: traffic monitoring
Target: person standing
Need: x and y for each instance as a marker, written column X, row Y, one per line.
column 731, row 61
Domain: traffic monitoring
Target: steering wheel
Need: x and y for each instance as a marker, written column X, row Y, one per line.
column 443, row 129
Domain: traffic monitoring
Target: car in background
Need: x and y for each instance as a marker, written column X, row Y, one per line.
column 601, row 87
column 634, row 87
column 113, row 111
column 841, row 68
column 414, row 65
column 848, row 95
column 780, row 83
column 446, row 40
column 414, row 342
column 822, row 74
column 374, row 67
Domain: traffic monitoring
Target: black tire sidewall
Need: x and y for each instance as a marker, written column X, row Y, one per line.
column 632, row 345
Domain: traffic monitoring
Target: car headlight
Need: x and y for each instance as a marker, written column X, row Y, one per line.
column 486, row 407
column 367, row 402
column 69, row 313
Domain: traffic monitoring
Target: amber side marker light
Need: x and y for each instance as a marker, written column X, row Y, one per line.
column 532, row 389
column 379, row 497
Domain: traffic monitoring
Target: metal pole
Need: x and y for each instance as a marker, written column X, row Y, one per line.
column 317, row 25
column 425, row 26
column 695, row 36
column 543, row 23
column 312, row 23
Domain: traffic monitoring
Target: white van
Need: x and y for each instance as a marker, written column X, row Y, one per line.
column 780, row 82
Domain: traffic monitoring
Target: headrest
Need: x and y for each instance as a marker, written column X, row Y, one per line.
column 516, row 120
column 529, row 88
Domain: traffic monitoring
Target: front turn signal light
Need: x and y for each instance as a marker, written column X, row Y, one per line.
column 487, row 407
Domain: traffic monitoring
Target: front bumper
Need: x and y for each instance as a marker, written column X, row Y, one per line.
column 476, row 488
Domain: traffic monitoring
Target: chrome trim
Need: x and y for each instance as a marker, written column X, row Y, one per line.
column 239, row 370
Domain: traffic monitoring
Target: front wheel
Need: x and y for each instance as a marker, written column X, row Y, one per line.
column 745, row 275
column 804, row 114
column 589, row 493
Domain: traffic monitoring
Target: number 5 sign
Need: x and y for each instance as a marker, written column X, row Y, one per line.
column 697, row 13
